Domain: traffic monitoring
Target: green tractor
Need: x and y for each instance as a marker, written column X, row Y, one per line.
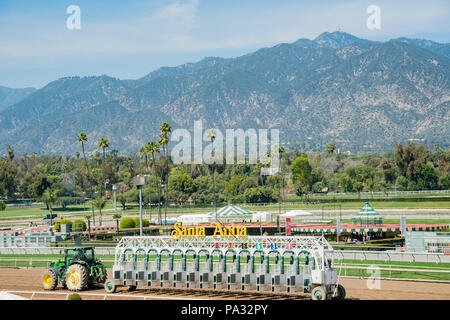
column 78, row 270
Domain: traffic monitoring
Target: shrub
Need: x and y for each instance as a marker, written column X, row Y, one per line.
column 74, row 296
column 2, row 205
column 137, row 222
column 127, row 223
column 60, row 222
column 79, row 225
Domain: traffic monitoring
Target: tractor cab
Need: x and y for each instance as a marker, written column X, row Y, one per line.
column 79, row 254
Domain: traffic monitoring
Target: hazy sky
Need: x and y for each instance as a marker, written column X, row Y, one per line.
column 128, row 39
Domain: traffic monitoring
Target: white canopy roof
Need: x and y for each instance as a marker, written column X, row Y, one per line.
column 295, row 213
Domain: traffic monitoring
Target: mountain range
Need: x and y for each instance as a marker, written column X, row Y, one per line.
column 362, row 95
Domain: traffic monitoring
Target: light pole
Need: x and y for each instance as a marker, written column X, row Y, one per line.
column 139, row 181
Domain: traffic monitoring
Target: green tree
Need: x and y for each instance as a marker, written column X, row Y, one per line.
column 117, row 217
column 82, row 138
column 103, row 144
column 410, row 159
column 99, row 203
column 122, row 198
column 163, row 141
column 330, row 148
column 8, row 178
column 232, row 188
column 50, row 197
column 10, row 151
column 88, row 219
column 2, row 205
column 301, row 171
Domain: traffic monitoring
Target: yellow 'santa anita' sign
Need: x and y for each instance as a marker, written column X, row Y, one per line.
column 198, row 231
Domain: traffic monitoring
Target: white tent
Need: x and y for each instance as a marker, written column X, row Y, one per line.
column 295, row 213
column 261, row 216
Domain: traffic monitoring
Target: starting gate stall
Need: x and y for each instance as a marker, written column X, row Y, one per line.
column 218, row 273
column 294, row 264
column 191, row 268
column 153, row 273
column 140, row 259
column 165, row 261
column 179, row 273
column 245, row 269
column 205, row 266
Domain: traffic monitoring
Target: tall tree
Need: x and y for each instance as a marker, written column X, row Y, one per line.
column 82, row 138
column 330, row 148
column 99, row 204
column 49, row 198
column 8, row 178
column 154, row 148
column 117, row 217
column 10, row 151
column 164, row 139
column 103, row 143
column 211, row 135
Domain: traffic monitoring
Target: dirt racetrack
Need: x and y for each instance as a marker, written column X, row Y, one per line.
column 22, row 279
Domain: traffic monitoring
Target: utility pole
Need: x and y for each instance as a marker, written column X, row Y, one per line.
column 140, row 181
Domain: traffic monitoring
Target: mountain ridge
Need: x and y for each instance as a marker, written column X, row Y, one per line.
column 362, row 94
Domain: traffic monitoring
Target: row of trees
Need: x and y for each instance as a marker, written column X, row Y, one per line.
column 58, row 180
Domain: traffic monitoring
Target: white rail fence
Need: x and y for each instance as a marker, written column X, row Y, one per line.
column 103, row 296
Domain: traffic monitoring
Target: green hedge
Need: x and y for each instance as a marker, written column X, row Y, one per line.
column 127, row 223
column 79, row 225
column 60, row 222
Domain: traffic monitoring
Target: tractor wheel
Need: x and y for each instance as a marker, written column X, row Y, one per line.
column 49, row 280
column 319, row 293
column 340, row 293
column 77, row 277
column 110, row 287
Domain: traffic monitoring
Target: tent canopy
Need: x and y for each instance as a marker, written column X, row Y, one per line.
column 367, row 210
column 230, row 211
column 295, row 213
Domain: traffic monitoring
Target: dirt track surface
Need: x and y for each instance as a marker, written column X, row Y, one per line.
column 21, row 279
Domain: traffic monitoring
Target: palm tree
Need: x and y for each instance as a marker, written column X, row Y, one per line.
column 103, row 143
column 88, row 219
column 153, row 148
column 117, row 217
column 82, row 137
column 164, row 139
column 77, row 155
column 211, row 135
column 100, row 204
column 10, row 151
column 330, row 148
column 49, row 197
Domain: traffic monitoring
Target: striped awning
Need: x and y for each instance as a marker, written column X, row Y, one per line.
column 230, row 210
column 367, row 210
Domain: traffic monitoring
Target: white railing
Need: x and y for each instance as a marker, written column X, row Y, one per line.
column 104, row 296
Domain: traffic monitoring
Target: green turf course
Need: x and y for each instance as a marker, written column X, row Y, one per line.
column 417, row 202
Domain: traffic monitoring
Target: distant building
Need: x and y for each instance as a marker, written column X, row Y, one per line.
column 423, row 241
